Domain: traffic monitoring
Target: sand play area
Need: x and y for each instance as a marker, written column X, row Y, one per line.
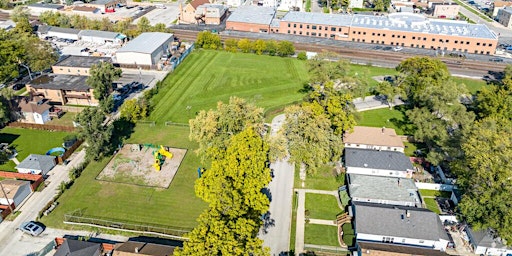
column 133, row 164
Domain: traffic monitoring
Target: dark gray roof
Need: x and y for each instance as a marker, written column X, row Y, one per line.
column 37, row 162
column 81, row 61
column 253, row 14
column 43, row 29
column 485, row 238
column 374, row 159
column 392, row 221
column 382, row 188
column 49, row 6
column 402, row 249
column 78, row 248
column 60, row 82
column 64, row 30
column 146, row 42
column 100, row 34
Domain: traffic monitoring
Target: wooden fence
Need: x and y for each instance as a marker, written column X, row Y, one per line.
column 46, row 127
column 35, row 178
column 69, row 151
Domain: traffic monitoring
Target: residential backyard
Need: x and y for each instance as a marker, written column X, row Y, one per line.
column 321, row 206
column 321, row 235
column 28, row 141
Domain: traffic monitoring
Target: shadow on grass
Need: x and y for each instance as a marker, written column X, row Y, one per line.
column 8, row 137
column 405, row 123
column 123, row 129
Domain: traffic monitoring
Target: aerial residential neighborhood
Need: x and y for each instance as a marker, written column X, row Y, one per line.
column 203, row 127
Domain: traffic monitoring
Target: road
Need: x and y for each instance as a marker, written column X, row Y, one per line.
column 9, row 235
column 276, row 235
column 505, row 34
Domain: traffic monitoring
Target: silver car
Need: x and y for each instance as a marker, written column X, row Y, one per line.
column 32, row 228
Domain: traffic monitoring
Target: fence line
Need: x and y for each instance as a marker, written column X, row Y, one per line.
column 46, row 127
column 151, row 123
column 325, row 248
column 169, row 123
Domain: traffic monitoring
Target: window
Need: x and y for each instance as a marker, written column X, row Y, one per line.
column 353, row 40
column 447, row 41
column 358, row 40
column 307, row 33
column 300, row 32
column 421, row 241
column 441, row 40
column 488, row 53
column 477, row 43
column 412, row 45
column 69, row 70
column 288, row 24
column 388, row 239
column 456, row 41
column 467, row 43
column 490, row 44
column 326, row 28
column 294, row 25
column 383, row 34
column 319, row 27
column 372, row 41
column 307, row 26
column 300, row 26
column 353, row 32
column 288, row 31
column 319, row 34
column 404, row 37
column 333, row 29
column 461, row 42
column 60, row 69
column 358, row 32
column 294, row 32
column 339, row 29
column 313, row 27
column 58, row 94
column 433, row 39
column 424, row 39
column 392, row 43
column 423, row 46
column 483, row 44
column 363, row 40
column 393, row 36
column 373, row 34
column 313, row 34
column 413, row 37
column 332, row 36
column 378, row 34
column 364, row 33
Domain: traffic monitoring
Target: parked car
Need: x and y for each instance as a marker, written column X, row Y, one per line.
column 32, row 228
column 398, row 48
column 18, row 87
column 496, row 60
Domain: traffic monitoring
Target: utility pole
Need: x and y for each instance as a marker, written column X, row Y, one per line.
column 5, row 195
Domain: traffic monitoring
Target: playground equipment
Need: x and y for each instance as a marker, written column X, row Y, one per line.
column 160, row 154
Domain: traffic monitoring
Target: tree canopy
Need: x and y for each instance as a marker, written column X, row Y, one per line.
column 95, row 132
column 102, row 76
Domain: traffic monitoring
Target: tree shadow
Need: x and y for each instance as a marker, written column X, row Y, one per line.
column 122, row 131
column 405, row 123
column 8, row 137
column 156, row 240
column 267, row 222
column 267, row 192
column 306, row 88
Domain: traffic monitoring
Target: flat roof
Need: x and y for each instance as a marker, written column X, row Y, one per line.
column 102, row 1
column 64, row 30
column 49, row 6
column 60, row 82
column 373, row 136
column 382, row 188
column 146, row 42
column 409, row 22
column 81, row 61
column 100, row 34
column 253, row 14
column 506, row 9
column 11, row 187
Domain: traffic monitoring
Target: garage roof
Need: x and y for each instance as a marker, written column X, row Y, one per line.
column 146, row 42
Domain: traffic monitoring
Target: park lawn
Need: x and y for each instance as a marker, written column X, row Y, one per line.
column 207, row 77
column 321, row 206
column 28, row 141
column 384, row 117
column 367, row 72
column 473, row 85
column 435, row 193
column 321, row 235
column 176, row 207
column 432, row 205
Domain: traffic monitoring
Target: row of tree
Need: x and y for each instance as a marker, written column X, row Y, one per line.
column 208, row 40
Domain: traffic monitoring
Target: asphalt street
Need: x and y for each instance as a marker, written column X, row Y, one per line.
column 276, row 230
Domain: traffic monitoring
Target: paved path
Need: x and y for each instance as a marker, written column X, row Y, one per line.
column 15, row 160
column 299, row 229
column 323, row 222
column 316, row 191
column 505, row 34
column 373, row 102
column 276, row 231
column 10, row 236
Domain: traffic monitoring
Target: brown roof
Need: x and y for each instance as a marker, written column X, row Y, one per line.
column 373, row 136
column 129, row 249
column 84, row 9
column 11, row 187
column 32, row 106
column 501, row 3
column 197, row 3
column 380, row 249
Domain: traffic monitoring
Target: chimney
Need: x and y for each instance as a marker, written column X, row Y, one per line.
column 136, row 249
column 383, row 129
column 407, row 213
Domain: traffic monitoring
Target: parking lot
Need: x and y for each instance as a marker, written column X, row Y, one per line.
column 165, row 16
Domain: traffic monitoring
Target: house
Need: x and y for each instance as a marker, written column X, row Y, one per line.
column 106, row 5
column 35, row 110
column 356, row 4
column 373, row 138
column 36, row 164
column 497, row 5
column 101, row 37
column 251, row 19
column 78, row 248
column 42, row 31
column 486, row 242
column 383, row 190
column 188, row 14
column 63, row 89
column 13, row 192
column 132, row 248
column 145, row 50
column 77, row 65
column 210, row 14
column 63, row 33
column 377, row 163
column 398, row 226
column 447, row 10
column 38, row 8
column 85, row 9
column 504, row 17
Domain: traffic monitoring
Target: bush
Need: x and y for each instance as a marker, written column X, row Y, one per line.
column 302, row 56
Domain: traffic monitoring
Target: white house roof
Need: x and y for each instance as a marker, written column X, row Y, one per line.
column 37, row 162
column 382, row 188
column 146, row 42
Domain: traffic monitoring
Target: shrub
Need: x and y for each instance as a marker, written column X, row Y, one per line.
column 302, row 56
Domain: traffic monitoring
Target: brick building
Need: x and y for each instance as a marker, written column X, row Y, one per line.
column 504, row 17
column 251, row 18
column 77, row 65
column 63, row 89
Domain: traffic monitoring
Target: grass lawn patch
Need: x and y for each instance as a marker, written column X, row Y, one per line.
column 207, row 77
column 27, row 141
column 321, row 235
column 177, row 206
column 321, row 206
column 21, row 91
column 432, row 205
column 348, row 234
column 367, row 72
column 323, row 179
column 65, row 120
column 473, row 85
column 435, row 193
column 384, row 117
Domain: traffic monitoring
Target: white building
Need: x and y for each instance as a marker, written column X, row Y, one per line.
column 38, row 8
column 398, row 226
column 234, row 3
column 15, row 192
column 373, row 138
column 145, row 50
column 63, row 33
column 36, row 111
column 101, row 37
column 486, row 242
column 36, row 164
column 356, row 4
column 377, row 163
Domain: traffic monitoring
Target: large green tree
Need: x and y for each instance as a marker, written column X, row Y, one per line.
column 212, row 129
column 326, row 67
column 94, row 130
column 484, row 174
column 496, row 100
column 102, row 75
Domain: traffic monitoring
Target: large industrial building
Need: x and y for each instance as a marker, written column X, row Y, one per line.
column 145, row 50
column 397, row 29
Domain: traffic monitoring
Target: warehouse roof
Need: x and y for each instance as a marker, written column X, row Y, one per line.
column 48, row 6
column 146, row 42
column 64, row 30
column 253, row 14
column 382, row 188
column 101, row 34
column 60, row 82
column 373, row 159
column 81, row 61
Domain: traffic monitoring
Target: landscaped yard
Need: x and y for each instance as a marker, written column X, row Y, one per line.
column 435, row 193
column 348, row 234
column 384, row 117
column 432, row 205
column 321, row 235
column 177, row 206
column 367, row 73
column 27, row 141
column 473, row 85
column 322, row 179
column 321, row 206
column 65, row 120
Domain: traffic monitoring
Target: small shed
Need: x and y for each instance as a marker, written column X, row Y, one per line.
column 15, row 192
column 36, row 164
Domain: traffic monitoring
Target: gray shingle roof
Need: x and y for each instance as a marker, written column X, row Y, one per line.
column 486, row 238
column 253, row 14
column 64, row 30
column 401, row 249
column 392, row 221
column 61, row 82
column 37, row 162
column 146, row 42
column 78, row 248
column 382, row 188
column 80, row 61
column 373, row 159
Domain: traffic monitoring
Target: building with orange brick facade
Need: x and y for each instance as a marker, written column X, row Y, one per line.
column 63, row 89
column 397, row 29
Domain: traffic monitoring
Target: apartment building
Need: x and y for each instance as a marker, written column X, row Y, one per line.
column 63, row 89
column 77, row 65
column 505, row 17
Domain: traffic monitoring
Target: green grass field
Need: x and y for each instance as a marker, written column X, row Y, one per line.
column 322, row 206
column 207, row 77
column 432, row 205
column 321, row 235
column 435, row 193
column 384, row 117
column 177, row 206
column 27, row 141
column 473, row 85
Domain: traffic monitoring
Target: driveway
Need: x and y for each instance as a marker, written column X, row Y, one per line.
column 10, row 236
column 276, row 232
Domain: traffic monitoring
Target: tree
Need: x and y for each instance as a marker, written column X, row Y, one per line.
column 302, row 56
column 496, row 100
column 134, row 110
column 207, row 40
column 143, row 25
column 378, row 5
column 19, row 13
column 321, row 69
column 389, row 91
column 285, row 48
column 311, row 140
column 102, row 75
column 259, row 46
column 484, row 175
column 95, row 132
column 213, row 128
column 271, row 47
column 231, row 45
column 244, row 45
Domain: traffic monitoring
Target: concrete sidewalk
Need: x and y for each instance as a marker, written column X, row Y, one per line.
column 323, row 222
column 299, row 229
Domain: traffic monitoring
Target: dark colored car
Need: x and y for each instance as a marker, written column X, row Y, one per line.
column 496, row 60
column 18, row 87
